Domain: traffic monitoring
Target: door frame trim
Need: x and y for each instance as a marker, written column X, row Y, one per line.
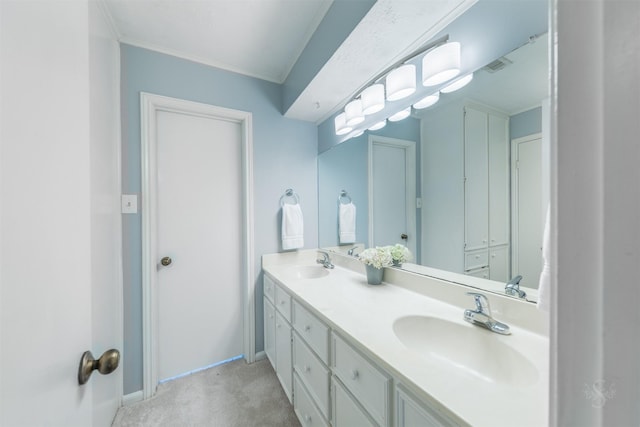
column 410, row 190
column 150, row 104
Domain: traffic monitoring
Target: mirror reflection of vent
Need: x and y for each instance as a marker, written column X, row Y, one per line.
column 497, row 65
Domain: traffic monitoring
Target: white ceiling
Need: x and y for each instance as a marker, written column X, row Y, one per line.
column 258, row 38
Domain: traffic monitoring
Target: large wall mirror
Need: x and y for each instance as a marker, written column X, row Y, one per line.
column 463, row 183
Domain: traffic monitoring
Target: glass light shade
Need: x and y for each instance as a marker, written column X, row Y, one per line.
column 427, row 101
column 356, row 134
column 353, row 111
column 458, row 84
column 341, row 124
column 400, row 115
column 379, row 125
column 401, row 82
column 372, row 99
column 441, row 64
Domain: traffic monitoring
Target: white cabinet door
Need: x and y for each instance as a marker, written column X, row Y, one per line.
column 283, row 354
column 476, row 203
column 270, row 332
column 498, row 146
column 499, row 263
column 410, row 413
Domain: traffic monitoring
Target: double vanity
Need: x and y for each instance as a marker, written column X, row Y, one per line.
column 401, row 353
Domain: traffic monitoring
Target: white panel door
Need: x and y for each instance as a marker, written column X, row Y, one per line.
column 476, row 190
column 199, row 214
column 527, row 210
column 60, row 215
column 392, row 194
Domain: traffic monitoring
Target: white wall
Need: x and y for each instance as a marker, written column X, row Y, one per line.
column 595, row 316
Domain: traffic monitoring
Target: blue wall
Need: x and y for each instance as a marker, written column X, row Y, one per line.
column 285, row 153
column 525, row 123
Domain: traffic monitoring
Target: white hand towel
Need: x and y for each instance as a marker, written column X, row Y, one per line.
column 292, row 227
column 545, row 275
column 347, row 222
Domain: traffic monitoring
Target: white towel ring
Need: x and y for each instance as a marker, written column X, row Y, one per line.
column 289, row 194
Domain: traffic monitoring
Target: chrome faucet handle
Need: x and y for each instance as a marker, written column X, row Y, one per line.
column 326, row 260
column 482, row 303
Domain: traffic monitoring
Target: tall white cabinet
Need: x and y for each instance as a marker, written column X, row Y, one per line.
column 465, row 190
column 486, row 193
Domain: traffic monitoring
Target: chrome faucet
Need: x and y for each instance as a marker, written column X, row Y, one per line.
column 513, row 288
column 352, row 251
column 326, row 260
column 481, row 316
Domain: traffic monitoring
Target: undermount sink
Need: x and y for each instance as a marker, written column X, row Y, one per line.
column 307, row 271
column 467, row 348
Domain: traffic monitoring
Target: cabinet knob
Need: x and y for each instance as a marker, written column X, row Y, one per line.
column 307, row 368
column 354, row 374
column 307, row 418
column 307, row 328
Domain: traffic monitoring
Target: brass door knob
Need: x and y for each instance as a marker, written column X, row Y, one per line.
column 106, row 364
column 165, row 261
column 403, row 236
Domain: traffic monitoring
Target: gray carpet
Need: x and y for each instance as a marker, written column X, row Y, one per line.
column 232, row 395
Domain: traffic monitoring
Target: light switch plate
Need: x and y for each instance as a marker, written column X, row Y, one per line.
column 129, row 203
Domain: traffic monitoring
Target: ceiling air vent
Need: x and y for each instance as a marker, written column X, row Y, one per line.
column 497, row 65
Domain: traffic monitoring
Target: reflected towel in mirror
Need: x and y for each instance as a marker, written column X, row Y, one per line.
column 347, row 222
column 292, row 227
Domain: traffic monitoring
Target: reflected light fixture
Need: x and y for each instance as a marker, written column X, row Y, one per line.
column 401, row 82
column 441, row 64
column 379, row 125
column 356, row 134
column 372, row 99
column 353, row 112
column 427, row 101
column 341, row 124
column 458, row 84
column 400, row 115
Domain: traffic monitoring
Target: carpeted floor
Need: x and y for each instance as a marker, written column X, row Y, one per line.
column 232, row 395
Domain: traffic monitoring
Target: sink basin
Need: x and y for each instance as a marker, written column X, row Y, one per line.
column 307, row 271
column 465, row 348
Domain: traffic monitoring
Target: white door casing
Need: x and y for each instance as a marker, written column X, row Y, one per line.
column 151, row 105
column 392, row 191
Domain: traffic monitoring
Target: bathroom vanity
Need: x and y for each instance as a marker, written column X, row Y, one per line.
column 398, row 354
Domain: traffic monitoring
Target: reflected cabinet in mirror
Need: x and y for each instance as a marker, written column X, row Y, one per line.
column 463, row 183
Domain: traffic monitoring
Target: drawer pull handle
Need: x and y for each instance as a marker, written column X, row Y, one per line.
column 307, row 328
column 354, row 374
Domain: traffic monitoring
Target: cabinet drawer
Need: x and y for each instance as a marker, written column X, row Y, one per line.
column 368, row 384
column 475, row 260
column 312, row 372
column 306, row 411
column 346, row 412
column 283, row 303
column 269, row 288
column 482, row 273
column 312, row 330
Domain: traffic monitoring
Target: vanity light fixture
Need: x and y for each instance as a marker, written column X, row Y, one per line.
column 372, row 99
column 401, row 82
column 353, row 112
column 356, row 134
column 341, row 124
column 379, row 125
column 400, row 115
column 427, row 101
column 458, row 84
column 441, row 64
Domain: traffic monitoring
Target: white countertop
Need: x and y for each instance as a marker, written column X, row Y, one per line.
column 366, row 314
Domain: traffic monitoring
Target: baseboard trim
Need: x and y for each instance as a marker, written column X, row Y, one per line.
column 131, row 398
column 260, row 355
